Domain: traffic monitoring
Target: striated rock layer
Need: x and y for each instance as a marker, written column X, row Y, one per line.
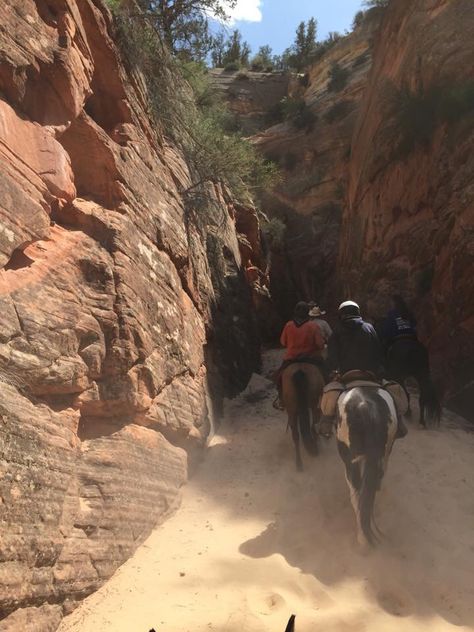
column 408, row 225
column 122, row 310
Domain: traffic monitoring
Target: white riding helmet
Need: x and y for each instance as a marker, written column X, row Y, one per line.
column 348, row 304
column 349, row 309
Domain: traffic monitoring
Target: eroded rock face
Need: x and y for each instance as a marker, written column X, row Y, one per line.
column 112, row 299
column 408, row 225
column 250, row 95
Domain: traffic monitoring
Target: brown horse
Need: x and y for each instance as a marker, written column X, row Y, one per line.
column 302, row 386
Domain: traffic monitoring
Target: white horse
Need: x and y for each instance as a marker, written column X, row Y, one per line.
column 366, row 429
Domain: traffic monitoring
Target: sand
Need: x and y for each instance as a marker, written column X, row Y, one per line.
column 254, row 541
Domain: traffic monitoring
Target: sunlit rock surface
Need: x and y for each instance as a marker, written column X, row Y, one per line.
column 120, row 315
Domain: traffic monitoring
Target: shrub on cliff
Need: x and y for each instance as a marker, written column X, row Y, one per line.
column 417, row 114
column 338, row 111
column 338, row 77
column 358, row 19
column 274, row 230
column 232, row 66
column 275, row 114
column 381, row 4
column 304, row 181
column 187, row 108
column 296, row 111
column 263, row 60
column 325, row 45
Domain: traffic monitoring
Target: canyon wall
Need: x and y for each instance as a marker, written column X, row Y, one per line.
column 124, row 309
column 377, row 186
column 408, row 223
column 314, row 159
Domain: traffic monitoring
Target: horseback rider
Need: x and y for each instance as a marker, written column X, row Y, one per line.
column 400, row 323
column 303, row 341
column 407, row 357
column 354, row 344
column 316, row 315
column 354, row 348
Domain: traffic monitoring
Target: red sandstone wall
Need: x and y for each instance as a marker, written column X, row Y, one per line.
column 110, row 311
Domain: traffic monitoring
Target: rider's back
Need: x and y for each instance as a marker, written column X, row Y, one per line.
column 398, row 325
column 302, row 340
column 355, row 346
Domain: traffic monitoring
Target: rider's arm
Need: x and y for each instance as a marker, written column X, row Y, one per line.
column 284, row 336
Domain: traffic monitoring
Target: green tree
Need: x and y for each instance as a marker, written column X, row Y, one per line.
column 376, row 3
column 311, row 34
column 301, row 53
column 184, row 24
column 245, row 54
column 263, row 60
column 218, row 50
column 236, row 52
column 358, row 19
column 300, row 39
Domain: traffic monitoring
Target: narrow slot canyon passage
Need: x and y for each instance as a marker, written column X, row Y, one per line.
column 170, row 197
column 254, row 541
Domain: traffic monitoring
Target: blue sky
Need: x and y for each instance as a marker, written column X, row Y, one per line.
column 274, row 22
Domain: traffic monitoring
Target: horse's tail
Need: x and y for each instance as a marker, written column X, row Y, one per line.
column 371, row 463
column 301, row 385
column 429, row 399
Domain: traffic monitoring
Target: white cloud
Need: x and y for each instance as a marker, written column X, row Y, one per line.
column 246, row 11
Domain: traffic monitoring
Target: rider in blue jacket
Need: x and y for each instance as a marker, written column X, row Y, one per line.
column 354, row 345
column 399, row 324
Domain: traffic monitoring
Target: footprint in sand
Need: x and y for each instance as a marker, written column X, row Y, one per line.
column 398, row 605
column 265, row 603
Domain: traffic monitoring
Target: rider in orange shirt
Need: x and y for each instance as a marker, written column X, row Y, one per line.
column 303, row 341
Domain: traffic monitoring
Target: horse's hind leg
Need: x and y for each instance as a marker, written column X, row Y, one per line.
column 352, row 473
column 422, row 408
column 407, row 393
column 316, row 417
column 293, row 423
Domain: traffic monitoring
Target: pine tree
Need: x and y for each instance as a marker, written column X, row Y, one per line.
column 218, row 50
column 311, row 34
column 245, row 54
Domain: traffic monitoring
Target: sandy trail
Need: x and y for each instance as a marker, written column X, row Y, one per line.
column 255, row 541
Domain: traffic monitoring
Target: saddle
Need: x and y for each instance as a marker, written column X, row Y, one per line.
column 356, row 375
column 352, row 379
column 357, row 378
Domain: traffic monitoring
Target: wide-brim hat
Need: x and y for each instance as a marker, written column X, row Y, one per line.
column 316, row 311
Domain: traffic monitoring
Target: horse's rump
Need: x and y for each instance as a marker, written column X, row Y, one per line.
column 310, row 387
column 407, row 357
column 367, row 423
column 302, row 385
